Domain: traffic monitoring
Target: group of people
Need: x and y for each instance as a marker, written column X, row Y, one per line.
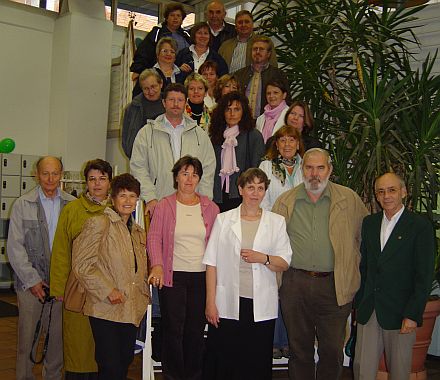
column 247, row 234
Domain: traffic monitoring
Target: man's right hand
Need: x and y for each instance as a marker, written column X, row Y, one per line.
column 150, row 206
column 38, row 291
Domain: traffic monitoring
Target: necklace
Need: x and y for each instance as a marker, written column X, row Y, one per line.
column 244, row 212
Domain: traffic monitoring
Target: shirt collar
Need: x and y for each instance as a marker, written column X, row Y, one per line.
column 193, row 50
column 169, row 125
column 44, row 197
column 218, row 31
column 395, row 217
column 264, row 67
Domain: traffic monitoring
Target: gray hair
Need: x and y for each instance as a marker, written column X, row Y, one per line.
column 150, row 73
column 317, row 150
column 166, row 40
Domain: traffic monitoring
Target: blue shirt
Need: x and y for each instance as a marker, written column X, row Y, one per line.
column 51, row 208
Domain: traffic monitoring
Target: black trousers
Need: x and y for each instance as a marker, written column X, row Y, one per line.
column 183, row 323
column 240, row 350
column 114, row 347
column 80, row 375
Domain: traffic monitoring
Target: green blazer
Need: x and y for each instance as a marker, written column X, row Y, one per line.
column 396, row 282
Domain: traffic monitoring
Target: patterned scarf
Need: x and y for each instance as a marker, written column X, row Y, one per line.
column 271, row 115
column 228, row 159
column 279, row 170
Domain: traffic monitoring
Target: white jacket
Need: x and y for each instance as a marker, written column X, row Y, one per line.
column 259, row 123
column 275, row 188
column 152, row 158
column 223, row 252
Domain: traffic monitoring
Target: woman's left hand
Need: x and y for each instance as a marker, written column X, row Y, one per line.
column 251, row 256
column 186, row 68
column 156, row 276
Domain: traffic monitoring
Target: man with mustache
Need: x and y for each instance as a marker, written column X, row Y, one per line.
column 324, row 225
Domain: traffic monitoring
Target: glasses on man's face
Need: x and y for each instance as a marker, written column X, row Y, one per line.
column 383, row 192
column 257, row 48
column 167, row 51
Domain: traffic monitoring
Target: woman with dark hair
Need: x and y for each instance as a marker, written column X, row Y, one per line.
column 273, row 116
column 145, row 56
column 78, row 343
column 195, row 108
column 225, row 84
column 110, row 262
column 282, row 164
column 177, row 238
column 238, row 146
column 299, row 116
column 248, row 245
column 192, row 57
column 209, row 70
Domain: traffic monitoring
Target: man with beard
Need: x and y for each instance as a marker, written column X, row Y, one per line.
column 324, row 224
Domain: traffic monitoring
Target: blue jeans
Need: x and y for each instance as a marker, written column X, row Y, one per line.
column 280, row 334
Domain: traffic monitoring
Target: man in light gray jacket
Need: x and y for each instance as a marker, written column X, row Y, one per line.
column 161, row 142
column 32, row 228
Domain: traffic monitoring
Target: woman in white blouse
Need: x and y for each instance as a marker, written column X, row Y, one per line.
column 247, row 246
column 272, row 118
column 282, row 164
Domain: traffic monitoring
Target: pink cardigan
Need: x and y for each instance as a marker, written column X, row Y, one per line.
column 160, row 241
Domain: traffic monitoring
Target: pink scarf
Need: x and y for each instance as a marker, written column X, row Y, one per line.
column 272, row 115
column 228, row 159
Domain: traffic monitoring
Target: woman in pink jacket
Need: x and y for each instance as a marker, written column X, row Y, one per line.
column 177, row 239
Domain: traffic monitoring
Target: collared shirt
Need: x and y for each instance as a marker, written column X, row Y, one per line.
column 254, row 89
column 308, row 230
column 175, row 136
column 172, row 78
column 238, row 60
column 198, row 60
column 51, row 208
column 387, row 226
column 215, row 34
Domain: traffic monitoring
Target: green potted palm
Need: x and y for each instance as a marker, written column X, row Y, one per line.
column 376, row 109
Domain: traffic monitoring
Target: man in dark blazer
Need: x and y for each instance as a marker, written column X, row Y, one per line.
column 397, row 269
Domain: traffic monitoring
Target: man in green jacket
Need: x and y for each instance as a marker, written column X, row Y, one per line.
column 79, row 346
column 397, row 268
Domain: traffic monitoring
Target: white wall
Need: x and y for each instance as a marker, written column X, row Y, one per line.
column 25, row 75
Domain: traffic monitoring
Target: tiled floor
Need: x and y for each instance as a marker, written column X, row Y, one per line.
column 8, row 341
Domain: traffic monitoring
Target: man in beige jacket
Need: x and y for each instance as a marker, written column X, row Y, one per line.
column 324, row 223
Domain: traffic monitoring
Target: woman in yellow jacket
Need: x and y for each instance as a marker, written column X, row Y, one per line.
column 109, row 260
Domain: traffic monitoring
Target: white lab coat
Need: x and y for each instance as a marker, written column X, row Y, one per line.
column 223, row 252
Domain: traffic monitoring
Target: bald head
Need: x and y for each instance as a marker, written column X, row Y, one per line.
column 48, row 175
column 215, row 14
column 390, row 191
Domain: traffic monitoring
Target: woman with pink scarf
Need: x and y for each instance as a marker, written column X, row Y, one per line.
column 272, row 118
column 238, row 146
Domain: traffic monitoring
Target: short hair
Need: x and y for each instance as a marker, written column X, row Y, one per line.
column 264, row 39
column 196, row 28
column 317, row 150
column 208, row 65
column 196, row 77
column 150, row 73
column 399, row 178
column 308, row 117
column 171, row 7
column 125, row 182
column 286, row 130
column 250, row 175
column 166, row 40
column 218, row 122
column 183, row 163
column 221, row 83
column 103, row 166
column 278, row 84
column 243, row 12
column 215, row 1
column 41, row 159
column 176, row 87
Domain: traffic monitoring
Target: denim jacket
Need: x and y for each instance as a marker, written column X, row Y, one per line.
column 28, row 240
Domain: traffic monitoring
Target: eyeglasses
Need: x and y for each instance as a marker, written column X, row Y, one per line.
column 256, row 48
column 391, row 191
column 97, row 179
column 167, row 51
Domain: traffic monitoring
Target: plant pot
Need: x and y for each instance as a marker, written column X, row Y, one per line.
column 420, row 348
column 395, row 4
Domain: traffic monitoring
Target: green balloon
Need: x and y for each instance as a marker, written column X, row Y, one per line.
column 7, row 145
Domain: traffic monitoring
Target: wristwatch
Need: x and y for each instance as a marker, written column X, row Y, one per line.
column 267, row 260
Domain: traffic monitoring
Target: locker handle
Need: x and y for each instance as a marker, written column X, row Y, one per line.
column 5, row 162
column 4, row 184
column 3, row 206
column 24, row 164
column 3, row 250
column 24, row 185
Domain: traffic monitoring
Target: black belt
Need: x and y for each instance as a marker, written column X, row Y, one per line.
column 313, row 273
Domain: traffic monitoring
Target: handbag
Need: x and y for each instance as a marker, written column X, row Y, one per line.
column 74, row 294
